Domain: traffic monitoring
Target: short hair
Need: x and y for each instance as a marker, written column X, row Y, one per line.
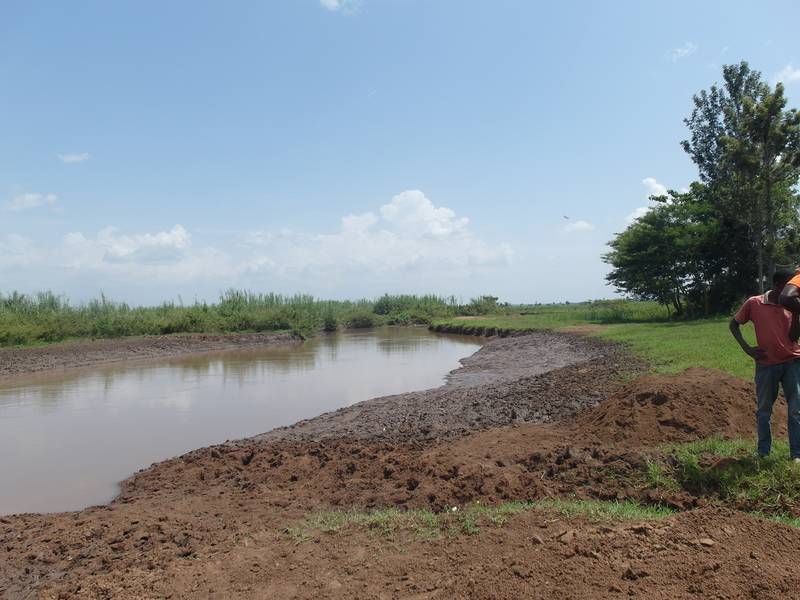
column 782, row 276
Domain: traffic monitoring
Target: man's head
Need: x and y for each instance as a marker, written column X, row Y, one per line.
column 780, row 278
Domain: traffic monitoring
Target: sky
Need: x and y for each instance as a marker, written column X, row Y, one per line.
column 349, row 148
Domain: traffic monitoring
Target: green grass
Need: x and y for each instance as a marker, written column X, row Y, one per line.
column 46, row 317
column 427, row 525
column 674, row 346
column 669, row 346
column 730, row 472
column 598, row 510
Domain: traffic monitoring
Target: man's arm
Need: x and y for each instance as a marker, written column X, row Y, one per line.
column 790, row 298
column 755, row 353
column 794, row 330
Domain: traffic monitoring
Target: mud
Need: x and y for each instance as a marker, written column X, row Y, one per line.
column 73, row 355
column 540, row 377
column 213, row 523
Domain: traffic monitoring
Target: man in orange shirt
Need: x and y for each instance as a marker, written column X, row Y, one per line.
column 777, row 357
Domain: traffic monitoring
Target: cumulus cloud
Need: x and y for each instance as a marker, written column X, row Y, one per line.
column 654, row 188
column 407, row 242
column 578, row 227
column 74, row 158
column 30, row 200
column 341, row 5
column 787, row 75
column 409, row 232
column 109, row 246
column 682, row 52
column 17, row 251
column 638, row 212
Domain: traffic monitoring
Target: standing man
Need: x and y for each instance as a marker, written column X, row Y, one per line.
column 776, row 356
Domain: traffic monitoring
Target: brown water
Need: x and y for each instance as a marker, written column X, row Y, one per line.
column 66, row 440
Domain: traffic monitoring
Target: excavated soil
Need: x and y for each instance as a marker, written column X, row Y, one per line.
column 87, row 353
column 657, row 409
column 213, row 523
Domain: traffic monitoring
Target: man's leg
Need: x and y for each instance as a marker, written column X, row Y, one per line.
column 791, row 389
column 767, row 380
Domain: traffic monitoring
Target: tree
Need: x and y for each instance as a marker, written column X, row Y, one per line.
column 670, row 253
column 765, row 154
column 745, row 147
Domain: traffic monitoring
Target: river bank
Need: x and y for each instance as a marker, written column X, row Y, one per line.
column 88, row 353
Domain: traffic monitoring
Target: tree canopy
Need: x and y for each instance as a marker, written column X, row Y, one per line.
column 707, row 248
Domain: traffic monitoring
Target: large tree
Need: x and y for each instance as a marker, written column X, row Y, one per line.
column 744, row 144
column 765, row 155
column 670, row 253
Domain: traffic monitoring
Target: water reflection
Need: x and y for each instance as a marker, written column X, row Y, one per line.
column 67, row 438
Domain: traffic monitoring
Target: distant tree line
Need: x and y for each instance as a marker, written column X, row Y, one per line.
column 700, row 251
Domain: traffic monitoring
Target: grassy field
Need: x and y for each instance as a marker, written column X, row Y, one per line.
column 669, row 345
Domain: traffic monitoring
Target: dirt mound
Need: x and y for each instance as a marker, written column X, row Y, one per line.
column 695, row 404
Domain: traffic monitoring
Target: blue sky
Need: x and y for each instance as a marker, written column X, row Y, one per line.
column 350, row 148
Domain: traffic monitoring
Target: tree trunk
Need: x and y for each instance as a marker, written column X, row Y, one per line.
column 769, row 209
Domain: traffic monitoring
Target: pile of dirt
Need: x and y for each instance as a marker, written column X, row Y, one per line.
column 695, row 404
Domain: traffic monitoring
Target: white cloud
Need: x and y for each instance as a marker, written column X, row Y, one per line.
column 654, row 188
column 74, row 158
column 30, row 200
column 682, row 52
column 334, row 5
column 787, row 75
column 578, row 227
column 639, row 212
column 111, row 247
column 409, row 232
column 17, row 251
column 407, row 243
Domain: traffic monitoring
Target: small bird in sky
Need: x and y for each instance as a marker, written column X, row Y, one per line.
column 565, row 216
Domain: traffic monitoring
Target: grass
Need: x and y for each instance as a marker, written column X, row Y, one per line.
column 730, row 472
column 669, row 346
column 428, row 525
column 598, row 510
column 46, row 317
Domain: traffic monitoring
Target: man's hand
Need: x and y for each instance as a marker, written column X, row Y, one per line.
column 753, row 352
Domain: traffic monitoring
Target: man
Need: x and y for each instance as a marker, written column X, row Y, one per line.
column 776, row 356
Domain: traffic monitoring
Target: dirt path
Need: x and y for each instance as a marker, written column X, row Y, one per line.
column 71, row 355
column 213, row 523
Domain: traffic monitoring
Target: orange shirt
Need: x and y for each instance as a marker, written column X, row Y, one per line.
column 795, row 281
column 772, row 322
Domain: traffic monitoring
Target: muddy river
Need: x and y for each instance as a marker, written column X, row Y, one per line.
column 66, row 439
